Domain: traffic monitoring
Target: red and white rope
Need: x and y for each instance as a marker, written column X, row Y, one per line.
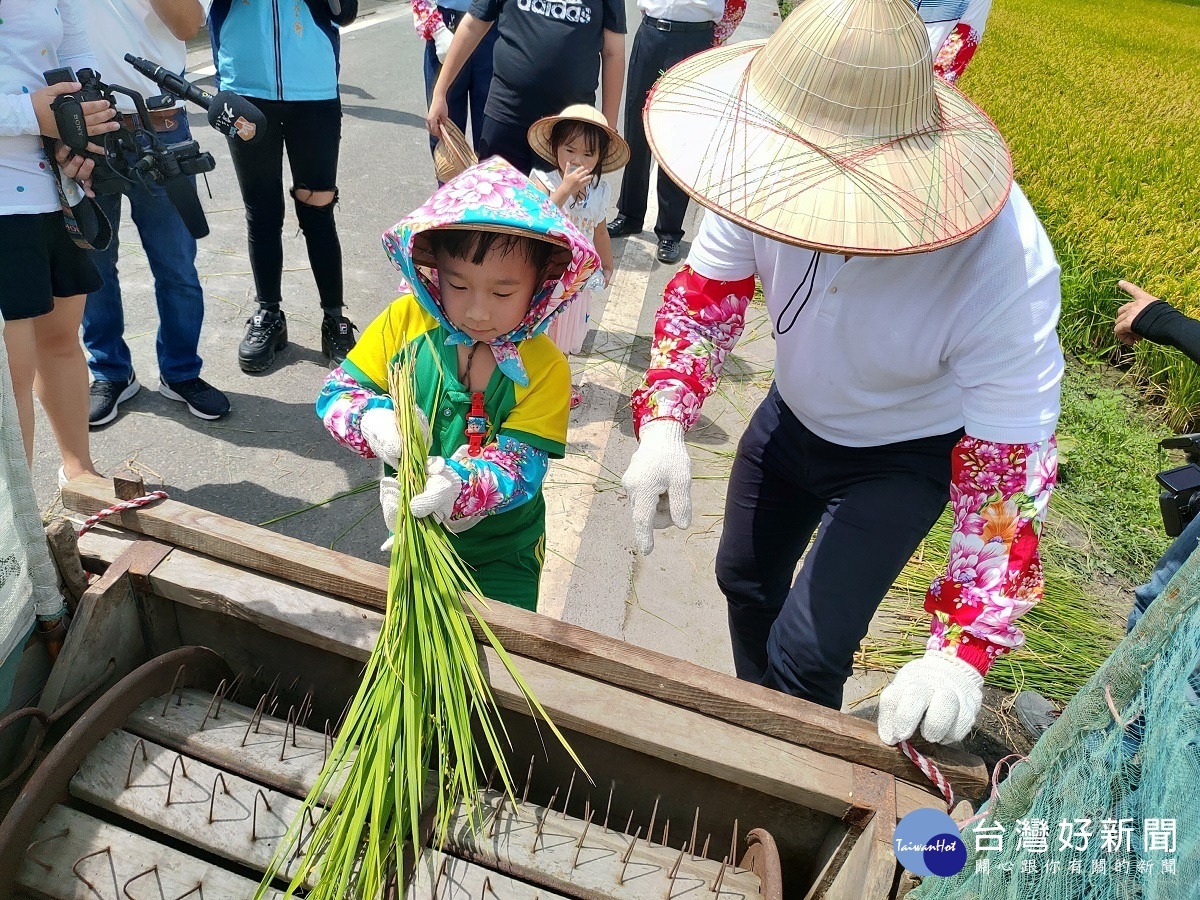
column 92, row 521
column 931, row 772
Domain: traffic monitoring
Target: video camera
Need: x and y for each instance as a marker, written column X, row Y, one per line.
column 1179, row 500
column 139, row 155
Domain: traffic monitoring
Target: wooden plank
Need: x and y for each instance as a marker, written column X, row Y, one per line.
column 64, row 548
column 66, row 835
column 442, row 877
column 171, row 793
column 549, row 640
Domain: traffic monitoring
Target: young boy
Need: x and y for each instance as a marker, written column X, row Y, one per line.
column 489, row 261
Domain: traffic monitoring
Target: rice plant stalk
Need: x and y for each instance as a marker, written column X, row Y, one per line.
column 408, row 733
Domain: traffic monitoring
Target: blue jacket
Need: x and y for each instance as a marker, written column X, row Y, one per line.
column 278, row 49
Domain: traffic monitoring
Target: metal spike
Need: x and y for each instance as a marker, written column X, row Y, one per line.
column 608, row 809
column 487, row 888
column 629, row 822
column 537, row 834
column 528, row 780
column 75, row 868
column 234, row 686
column 438, row 880
column 213, row 794
column 271, row 688
column 733, row 848
column 306, row 707
column 132, row 757
column 666, row 832
column 496, row 815
column 198, row 888
column 570, row 787
column 650, row 830
column 218, row 698
column 579, row 844
column 254, row 814
column 692, row 843
column 257, row 714
column 720, row 876
column 290, row 722
column 704, row 852
column 45, row 840
column 295, row 681
column 152, row 870
column 491, row 777
column 171, row 692
column 628, row 853
column 674, row 872
column 171, row 783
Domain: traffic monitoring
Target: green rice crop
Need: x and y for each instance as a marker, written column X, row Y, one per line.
column 1100, row 103
column 410, row 729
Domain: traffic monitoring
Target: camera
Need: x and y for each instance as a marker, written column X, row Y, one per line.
column 131, row 156
column 1179, row 500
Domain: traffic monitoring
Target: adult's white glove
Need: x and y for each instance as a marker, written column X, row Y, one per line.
column 382, row 434
column 389, row 502
column 442, row 38
column 660, row 465
column 946, row 691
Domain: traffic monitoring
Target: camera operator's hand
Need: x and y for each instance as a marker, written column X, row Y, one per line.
column 99, row 114
column 75, row 166
column 1128, row 313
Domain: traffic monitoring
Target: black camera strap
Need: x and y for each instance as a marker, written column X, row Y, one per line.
column 86, row 223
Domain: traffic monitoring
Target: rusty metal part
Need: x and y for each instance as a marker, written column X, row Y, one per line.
column 762, row 858
column 49, row 783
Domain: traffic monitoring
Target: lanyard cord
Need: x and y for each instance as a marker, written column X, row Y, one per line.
column 810, row 276
column 466, row 376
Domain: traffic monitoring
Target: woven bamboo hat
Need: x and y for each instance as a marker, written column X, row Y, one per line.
column 833, row 134
column 452, row 155
column 539, row 135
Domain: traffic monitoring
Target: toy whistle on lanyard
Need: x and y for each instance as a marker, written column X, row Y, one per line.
column 477, row 425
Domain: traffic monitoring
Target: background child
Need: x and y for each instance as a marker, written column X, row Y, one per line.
column 582, row 148
column 489, row 261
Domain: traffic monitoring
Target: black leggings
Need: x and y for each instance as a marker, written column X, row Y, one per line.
column 312, row 132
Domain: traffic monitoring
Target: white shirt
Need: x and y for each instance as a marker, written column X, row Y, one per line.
column 37, row 35
column 117, row 27
column 589, row 214
column 684, row 10
column 892, row 348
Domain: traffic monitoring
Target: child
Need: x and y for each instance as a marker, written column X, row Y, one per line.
column 579, row 143
column 489, row 262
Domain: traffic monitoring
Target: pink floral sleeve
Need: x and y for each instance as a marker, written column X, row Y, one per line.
column 697, row 325
column 999, row 493
column 960, row 45
column 341, row 404
column 426, row 18
column 506, row 474
column 734, row 10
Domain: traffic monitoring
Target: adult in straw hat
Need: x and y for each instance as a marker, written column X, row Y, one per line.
column 914, row 297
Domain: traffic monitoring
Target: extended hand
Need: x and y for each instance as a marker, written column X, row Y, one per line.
column 945, row 691
column 1130, row 311
column 659, row 466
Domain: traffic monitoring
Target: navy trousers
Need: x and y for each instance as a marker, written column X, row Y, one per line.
column 869, row 506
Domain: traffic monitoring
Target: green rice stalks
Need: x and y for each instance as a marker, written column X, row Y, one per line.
column 409, row 731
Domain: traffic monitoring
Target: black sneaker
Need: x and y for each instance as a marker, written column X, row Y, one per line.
column 622, row 227
column 266, row 334
column 668, row 250
column 105, row 397
column 337, row 338
column 203, row 400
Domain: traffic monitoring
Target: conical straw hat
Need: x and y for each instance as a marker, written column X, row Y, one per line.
column 833, row 134
column 453, row 155
column 540, row 131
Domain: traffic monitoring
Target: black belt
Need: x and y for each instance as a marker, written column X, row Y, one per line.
column 668, row 25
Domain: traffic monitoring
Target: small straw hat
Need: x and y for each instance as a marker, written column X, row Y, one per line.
column 452, row 155
column 539, row 135
column 833, row 134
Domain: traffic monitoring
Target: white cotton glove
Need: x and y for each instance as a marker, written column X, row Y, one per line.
column 660, row 465
column 437, row 500
column 946, row 691
column 382, row 434
column 389, row 502
column 442, row 37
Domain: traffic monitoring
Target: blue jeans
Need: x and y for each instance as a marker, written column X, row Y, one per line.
column 1164, row 570
column 469, row 92
column 171, row 251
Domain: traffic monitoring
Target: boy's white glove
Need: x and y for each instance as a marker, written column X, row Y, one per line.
column 437, row 500
column 382, row 434
column 946, row 691
column 660, row 465
column 389, row 502
column 442, row 38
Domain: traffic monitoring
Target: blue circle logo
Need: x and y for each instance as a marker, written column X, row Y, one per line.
column 927, row 842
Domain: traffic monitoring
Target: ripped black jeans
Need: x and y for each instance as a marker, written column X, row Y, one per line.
column 311, row 130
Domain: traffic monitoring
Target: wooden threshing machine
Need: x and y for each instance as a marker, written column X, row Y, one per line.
column 211, row 662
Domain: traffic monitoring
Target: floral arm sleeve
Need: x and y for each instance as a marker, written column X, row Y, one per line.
column 341, row 404
column 734, row 10
column 960, row 44
column 999, row 493
column 505, row 475
column 697, row 325
column 426, row 18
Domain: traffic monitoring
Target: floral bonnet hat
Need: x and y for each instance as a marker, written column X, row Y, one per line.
column 493, row 196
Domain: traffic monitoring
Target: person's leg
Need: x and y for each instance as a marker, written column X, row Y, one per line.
column 672, row 200
column 259, row 170
column 480, row 65
column 506, row 140
column 644, row 69
column 769, row 518
column 62, row 381
column 22, row 369
column 103, row 314
column 883, row 501
column 1164, row 570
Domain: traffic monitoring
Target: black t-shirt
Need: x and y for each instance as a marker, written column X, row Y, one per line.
column 547, row 54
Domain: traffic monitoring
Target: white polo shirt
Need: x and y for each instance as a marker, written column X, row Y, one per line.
column 892, row 348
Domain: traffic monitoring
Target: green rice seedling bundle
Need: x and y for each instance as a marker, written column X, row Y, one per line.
column 410, row 730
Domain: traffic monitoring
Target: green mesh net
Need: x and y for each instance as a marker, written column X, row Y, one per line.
column 1101, row 809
